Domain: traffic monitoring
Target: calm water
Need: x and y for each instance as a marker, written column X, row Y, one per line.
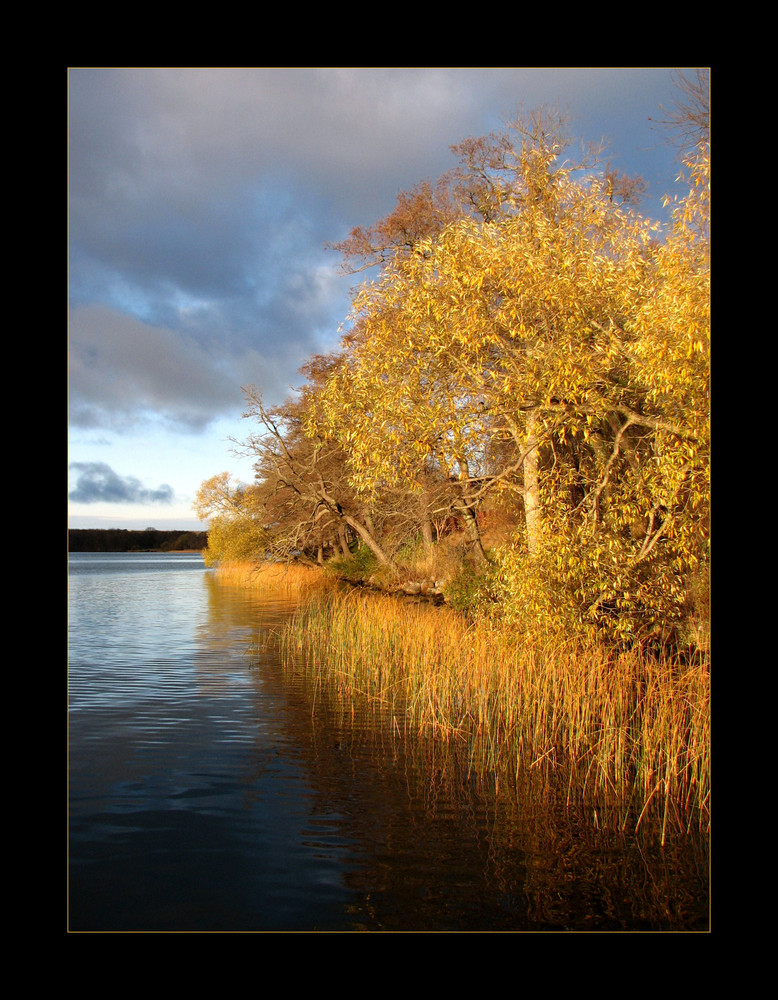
column 210, row 790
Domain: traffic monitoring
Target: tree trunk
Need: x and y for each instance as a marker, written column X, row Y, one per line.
column 532, row 486
column 472, row 531
column 343, row 542
column 369, row 540
column 344, row 518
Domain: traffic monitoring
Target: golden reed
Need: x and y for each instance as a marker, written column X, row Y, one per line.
column 628, row 725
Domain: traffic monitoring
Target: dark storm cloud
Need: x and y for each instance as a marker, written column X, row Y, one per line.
column 97, row 482
column 183, row 175
column 201, row 200
column 122, row 370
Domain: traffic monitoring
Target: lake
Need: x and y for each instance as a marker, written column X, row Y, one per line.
column 211, row 790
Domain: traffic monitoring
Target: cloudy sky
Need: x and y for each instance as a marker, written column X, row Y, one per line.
column 200, row 203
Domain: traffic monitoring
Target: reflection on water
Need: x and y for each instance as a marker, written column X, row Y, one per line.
column 211, row 789
column 441, row 850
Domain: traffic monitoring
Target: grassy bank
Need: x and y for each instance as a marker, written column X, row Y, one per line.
column 622, row 726
column 294, row 580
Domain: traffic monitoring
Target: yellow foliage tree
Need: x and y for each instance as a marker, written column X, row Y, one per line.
column 236, row 531
column 556, row 349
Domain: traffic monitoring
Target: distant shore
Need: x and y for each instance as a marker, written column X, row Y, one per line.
column 130, row 540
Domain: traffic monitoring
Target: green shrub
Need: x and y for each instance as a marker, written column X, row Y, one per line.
column 469, row 588
column 357, row 567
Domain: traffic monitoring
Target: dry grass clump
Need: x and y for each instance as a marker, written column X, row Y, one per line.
column 283, row 578
column 628, row 726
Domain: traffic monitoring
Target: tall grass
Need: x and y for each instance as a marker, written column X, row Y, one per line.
column 291, row 579
column 625, row 726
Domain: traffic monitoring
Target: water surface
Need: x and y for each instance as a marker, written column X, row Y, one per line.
column 211, row 790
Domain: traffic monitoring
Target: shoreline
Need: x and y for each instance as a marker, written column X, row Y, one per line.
column 636, row 726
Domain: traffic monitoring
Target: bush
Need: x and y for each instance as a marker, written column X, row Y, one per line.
column 470, row 588
column 564, row 593
column 234, row 540
column 356, row 567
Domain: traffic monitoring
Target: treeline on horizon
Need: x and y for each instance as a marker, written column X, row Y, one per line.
column 133, row 540
column 531, row 352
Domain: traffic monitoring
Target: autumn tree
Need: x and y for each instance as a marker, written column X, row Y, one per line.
column 517, row 349
column 686, row 122
column 452, row 345
column 422, row 212
column 301, row 478
column 529, row 341
column 236, row 530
